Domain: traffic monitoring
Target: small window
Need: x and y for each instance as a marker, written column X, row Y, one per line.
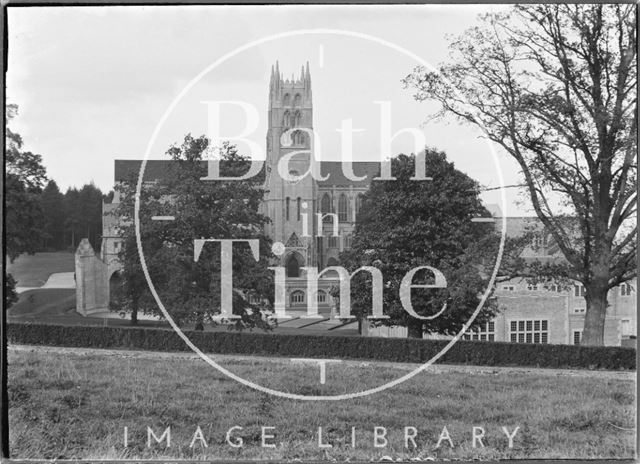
column 577, row 335
column 625, row 290
column 286, row 208
column 322, row 296
column 531, row 287
column 579, row 290
column 333, row 241
column 579, row 310
column 298, row 201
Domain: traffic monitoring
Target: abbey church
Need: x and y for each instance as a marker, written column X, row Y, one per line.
column 291, row 206
column 314, row 221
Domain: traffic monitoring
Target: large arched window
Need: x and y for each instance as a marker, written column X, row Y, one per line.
column 342, row 208
column 286, row 208
column 286, row 100
column 325, row 208
column 297, row 297
column 293, row 266
column 297, row 100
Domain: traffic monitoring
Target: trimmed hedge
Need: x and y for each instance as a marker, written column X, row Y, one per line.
column 317, row 346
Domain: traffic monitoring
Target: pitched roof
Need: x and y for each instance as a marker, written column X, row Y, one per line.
column 160, row 169
column 337, row 177
column 153, row 170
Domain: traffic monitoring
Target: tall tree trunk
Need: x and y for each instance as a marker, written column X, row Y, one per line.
column 414, row 328
column 363, row 325
column 593, row 333
column 134, row 311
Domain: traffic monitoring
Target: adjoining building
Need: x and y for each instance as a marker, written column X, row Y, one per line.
column 530, row 314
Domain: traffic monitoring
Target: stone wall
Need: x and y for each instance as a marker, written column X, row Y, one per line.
column 92, row 281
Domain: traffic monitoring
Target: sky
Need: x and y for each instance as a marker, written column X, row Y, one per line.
column 94, row 84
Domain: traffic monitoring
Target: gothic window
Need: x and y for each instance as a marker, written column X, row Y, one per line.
column 325, row 204
column 286, row 209
column 297, row 297
column 286, row 121
column 359, row 199
column 297, row 119
column 292, row 266
column 342, row 208
column 347, row 241
column 297, row 100
column 322, row 296
column 298, row 207
column 333, row 241
column 287, row 100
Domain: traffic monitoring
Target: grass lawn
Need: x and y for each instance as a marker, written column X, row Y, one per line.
column 75, row 403
column 46, row 301
column 34, row 270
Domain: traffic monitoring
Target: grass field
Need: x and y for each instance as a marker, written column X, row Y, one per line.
column 34, row 270
column 71, row 403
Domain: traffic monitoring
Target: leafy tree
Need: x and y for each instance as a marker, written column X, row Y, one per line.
column 202, row 209
column 556, row 87
column 83, row 215
column 403, row 224
column 52, row 204
column 90, row 198
column 24, row 179
column 10, row 293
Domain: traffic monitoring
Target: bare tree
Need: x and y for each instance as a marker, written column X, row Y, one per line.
column 555, row 86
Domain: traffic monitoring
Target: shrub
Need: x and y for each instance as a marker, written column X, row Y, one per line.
column 318, row 346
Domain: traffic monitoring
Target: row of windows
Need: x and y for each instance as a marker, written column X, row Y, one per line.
column 578, row 290
column 344, row 208
column 524, row 331
column 298, row 297
column 529, row 331
column 486, row 332
column 325, row 207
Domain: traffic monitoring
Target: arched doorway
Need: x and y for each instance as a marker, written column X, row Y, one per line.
column 293, row 263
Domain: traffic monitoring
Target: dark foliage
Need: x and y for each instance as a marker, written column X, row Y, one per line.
column 310, row 346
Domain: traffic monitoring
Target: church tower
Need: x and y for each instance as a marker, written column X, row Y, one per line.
column 287, row 202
